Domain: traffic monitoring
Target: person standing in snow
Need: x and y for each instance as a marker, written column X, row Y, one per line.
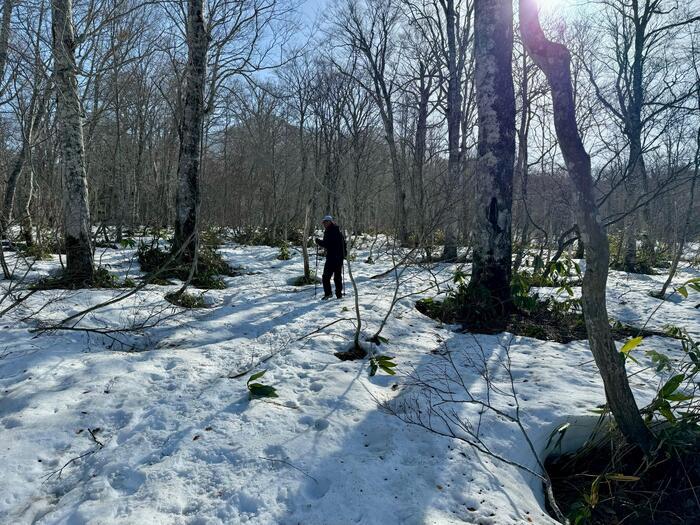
column 334, row 244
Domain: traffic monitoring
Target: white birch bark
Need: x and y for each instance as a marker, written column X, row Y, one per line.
column 76, row 211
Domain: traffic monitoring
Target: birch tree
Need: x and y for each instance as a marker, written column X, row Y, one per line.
column 76, row 210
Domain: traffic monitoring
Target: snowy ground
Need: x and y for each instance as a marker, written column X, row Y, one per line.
column 182, row 443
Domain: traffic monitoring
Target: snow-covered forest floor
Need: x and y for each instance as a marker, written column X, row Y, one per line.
column 166, row 434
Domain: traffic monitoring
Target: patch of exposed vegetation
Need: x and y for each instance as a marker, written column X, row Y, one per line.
column 302, row 280
column 210, row 266
column 609, row 481
column 557, row 318
column 102, row 279
column 186, row 300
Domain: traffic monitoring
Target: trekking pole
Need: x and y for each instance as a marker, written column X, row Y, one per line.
column 345, row 256
column 316, row 271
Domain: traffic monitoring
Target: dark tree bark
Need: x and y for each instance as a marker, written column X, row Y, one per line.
column 4, row 38
column 76, row 219
column 522, row 164
column 454, row 120
column 7, row 6
column 425, row 89
column 188, row 195
column 493, row 53
column 34, row 115
column 554, row 60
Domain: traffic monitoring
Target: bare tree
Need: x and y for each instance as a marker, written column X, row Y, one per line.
column 646, row 83
column 30, row 115
column 297, row 77
column 554, row 59
column 369, row 31
column 688, row 217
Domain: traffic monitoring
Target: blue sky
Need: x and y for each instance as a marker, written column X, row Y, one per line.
column 311, row 8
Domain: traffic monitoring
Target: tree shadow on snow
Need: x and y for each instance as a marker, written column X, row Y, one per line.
column 386, row 471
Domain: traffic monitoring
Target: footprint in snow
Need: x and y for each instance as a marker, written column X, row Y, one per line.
column 126, row 480
column 170, row 364
column 11, row 422
column 317, row 488
column 317, row 424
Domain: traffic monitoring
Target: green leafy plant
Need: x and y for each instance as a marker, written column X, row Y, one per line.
column 210, row 266
column 284, row 254
column 304, row 281
column 186, row 300
column 127, row 242
column 693, row 284
column 103, row 279
column 675, row 401
column 259, row 390
column 658, row 484
column 384, row 363
column 38, row 252
column 212, row 236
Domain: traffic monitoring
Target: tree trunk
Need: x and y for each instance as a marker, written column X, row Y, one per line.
column 7, row 6
column 554, row 60
column 188, row 196
column 305, row 244
column 26, row 220
column 34, row 114
column 417, row 185
column 310, row 201
column 686, row 223
column 629, row 261
column 521, row 165
column 11, row 188
column 400, row 193
column 454, row 121
column 4, row 38
column 76, row 226
column 580, row 247
column 493, row 50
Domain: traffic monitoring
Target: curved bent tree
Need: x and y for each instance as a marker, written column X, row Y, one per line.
column 554, row 60
column 79, row 258
column 495, row 98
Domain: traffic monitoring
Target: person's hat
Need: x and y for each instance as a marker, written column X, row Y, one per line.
column 327, row 218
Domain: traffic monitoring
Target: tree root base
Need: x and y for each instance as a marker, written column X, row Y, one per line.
column 662, row 489
column 354, row 354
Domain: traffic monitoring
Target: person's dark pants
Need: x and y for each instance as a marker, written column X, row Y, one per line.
column 333, row 269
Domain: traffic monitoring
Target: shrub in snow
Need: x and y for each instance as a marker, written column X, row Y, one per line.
column 210, row 266
column 284, row 254
column 186, row 300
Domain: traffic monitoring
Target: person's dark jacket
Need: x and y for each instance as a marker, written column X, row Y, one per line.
column 334, row 243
